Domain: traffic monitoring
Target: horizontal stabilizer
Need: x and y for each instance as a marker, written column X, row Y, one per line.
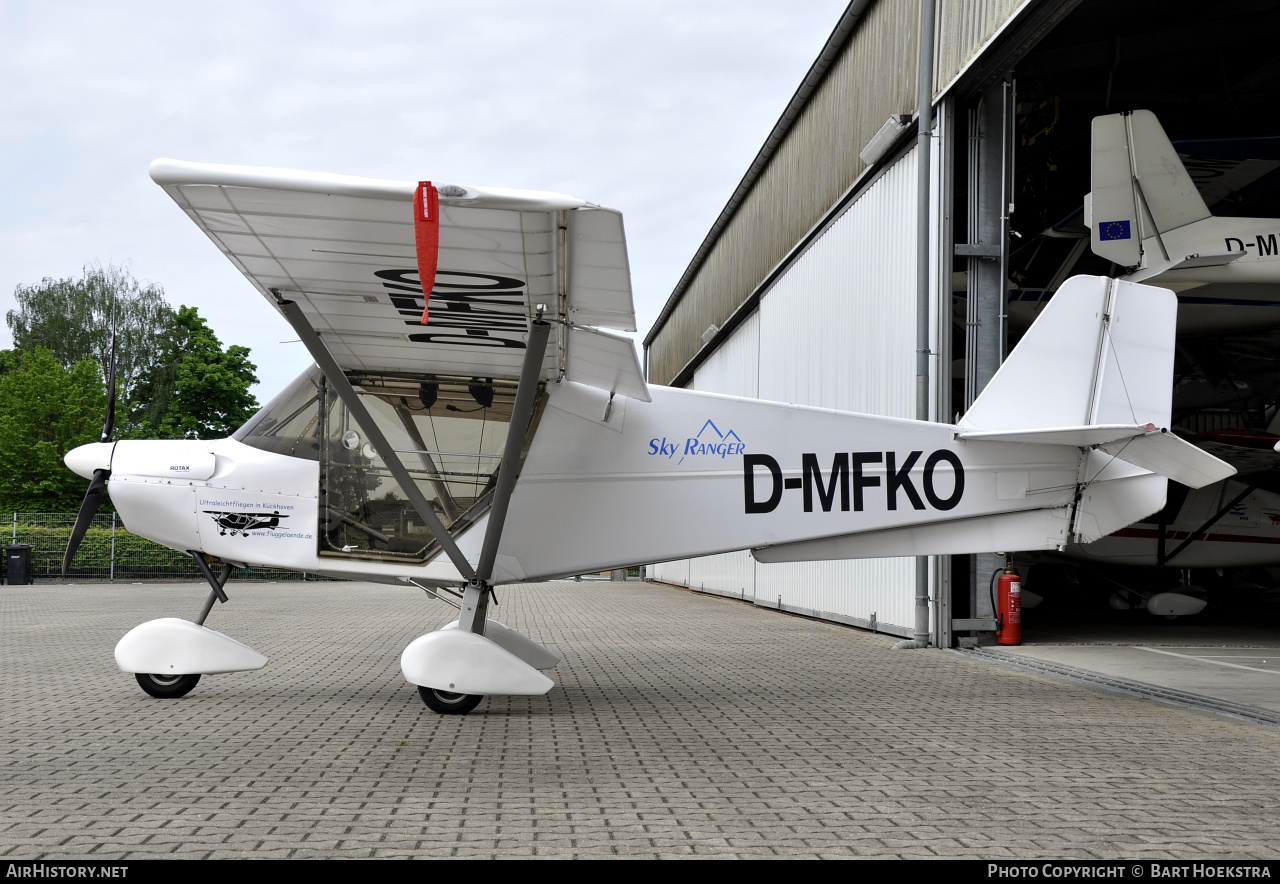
column 1095, row 434
column 1152, row 449
column 1166, row 454
column 1037, row 529
column 1216, row 259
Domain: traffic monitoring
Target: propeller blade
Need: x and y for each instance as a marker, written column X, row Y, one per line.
column 109, row 427
column 92, row 500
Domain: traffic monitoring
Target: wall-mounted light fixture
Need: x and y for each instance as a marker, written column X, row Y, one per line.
column 883, row 139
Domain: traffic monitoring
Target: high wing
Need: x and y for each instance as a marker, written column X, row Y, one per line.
column 343, row 248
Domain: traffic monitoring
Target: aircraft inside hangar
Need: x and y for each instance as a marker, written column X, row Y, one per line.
column 1208, row 75
column 1016, row 90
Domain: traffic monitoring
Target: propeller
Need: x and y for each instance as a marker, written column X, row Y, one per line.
column 98, row 484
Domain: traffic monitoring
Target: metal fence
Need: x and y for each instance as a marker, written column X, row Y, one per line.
column 110, row 553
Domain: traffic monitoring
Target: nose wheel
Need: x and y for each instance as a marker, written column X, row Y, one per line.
column 165, row 686
column 445, row 702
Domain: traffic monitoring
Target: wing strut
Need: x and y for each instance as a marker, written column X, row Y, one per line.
column 1163, row 560
column 320, row 353
column 475, row 601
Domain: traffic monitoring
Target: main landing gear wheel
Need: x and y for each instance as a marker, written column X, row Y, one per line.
column 445, row 702
column 165, row 686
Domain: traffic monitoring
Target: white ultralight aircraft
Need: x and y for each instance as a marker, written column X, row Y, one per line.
column 503, row 435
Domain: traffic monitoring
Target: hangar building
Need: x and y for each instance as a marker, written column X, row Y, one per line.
column 805, row 288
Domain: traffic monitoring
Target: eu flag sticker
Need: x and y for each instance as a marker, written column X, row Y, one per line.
column 1113, row 230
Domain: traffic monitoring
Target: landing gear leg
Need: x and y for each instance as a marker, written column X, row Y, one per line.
column 167, row 686
column 217, row 593
column 471, row 618
column 475, row 600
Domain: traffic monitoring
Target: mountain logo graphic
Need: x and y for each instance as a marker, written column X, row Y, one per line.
column 710, row 441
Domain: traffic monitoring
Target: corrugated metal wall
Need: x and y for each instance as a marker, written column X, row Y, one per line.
column 730, row 574
column 963, row 28
column 837, row 330
column 733, row 369
column 874, row 77
column 672, row 572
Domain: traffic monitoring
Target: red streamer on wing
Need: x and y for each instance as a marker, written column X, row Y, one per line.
column 426, row 235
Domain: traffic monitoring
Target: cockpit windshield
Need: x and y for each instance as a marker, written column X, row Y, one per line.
column 289, row 423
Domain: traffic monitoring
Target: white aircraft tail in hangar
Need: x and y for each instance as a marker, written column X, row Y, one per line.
column 1145, row 214
column 472, row 421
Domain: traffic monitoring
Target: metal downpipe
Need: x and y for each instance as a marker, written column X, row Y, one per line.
column 924, row 130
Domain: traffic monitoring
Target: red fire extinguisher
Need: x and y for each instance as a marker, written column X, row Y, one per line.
column 1009, row 607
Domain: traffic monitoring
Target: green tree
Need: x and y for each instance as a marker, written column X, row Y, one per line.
column 173, row 376
column 46, row 410
column 199, row 390
column 73, row 319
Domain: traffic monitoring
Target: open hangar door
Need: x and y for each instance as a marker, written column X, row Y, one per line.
column 1210, row 75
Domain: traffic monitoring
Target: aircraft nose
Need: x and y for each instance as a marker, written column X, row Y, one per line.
column 84, row 460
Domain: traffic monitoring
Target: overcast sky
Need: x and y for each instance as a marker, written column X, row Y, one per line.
column 654, row 108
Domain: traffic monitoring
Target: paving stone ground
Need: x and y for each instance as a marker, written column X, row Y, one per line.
column 682, row 725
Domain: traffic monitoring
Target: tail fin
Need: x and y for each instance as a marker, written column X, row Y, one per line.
column 1140, row 189
column 1101, row 352
column 1095, row 369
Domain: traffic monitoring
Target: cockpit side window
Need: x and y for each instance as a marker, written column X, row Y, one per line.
column 448, row 433
column 288, row 424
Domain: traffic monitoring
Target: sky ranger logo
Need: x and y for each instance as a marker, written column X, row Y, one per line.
column 848, row 474
column 709, row 442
